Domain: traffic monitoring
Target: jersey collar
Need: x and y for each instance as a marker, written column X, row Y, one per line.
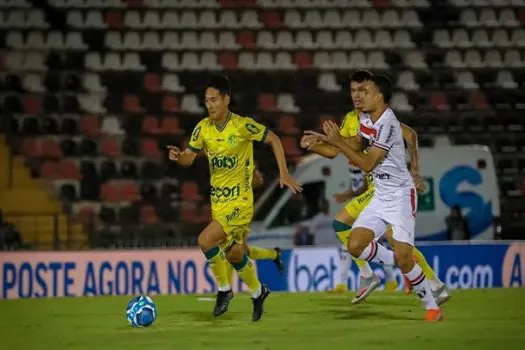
column 221, row 127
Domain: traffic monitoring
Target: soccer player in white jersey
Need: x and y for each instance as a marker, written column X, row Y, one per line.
column 395, row 201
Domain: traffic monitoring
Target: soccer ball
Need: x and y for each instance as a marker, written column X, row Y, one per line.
column 141, row 311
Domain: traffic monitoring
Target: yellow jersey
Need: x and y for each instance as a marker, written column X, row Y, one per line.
column 350, row 124
column 349, row 128
column 229, row 150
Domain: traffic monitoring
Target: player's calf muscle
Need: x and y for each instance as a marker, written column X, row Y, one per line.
column 403, row 255
column 235, row 253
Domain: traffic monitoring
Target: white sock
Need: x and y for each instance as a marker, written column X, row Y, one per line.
column 389, row 273
column 421, row 286
column 365, row 271
column 435, row 283
column 224, row 288
column 344, row 266
column 377, row 253
column 257, row 292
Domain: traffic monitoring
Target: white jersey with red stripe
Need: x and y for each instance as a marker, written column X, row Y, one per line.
column 391, row 174
column 394, row 202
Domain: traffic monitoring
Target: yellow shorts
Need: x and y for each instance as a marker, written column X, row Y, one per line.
column 357, row 204
column 235, row 221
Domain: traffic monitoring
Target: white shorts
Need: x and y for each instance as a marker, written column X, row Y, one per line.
column 399, row 213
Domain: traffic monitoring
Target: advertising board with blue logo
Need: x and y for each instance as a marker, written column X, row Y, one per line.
column 185, row 271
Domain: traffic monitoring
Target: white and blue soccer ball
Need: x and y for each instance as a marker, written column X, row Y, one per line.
column 141, row 311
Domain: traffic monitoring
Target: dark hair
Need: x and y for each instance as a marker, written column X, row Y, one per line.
column 220, row 82
column 384, row 85
column 360, row 76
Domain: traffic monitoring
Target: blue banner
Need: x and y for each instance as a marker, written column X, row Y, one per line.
column 464, row 266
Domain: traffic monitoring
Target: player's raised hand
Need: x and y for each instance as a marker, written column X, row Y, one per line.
column 174, row 153
column 308, row 141
column 332, row 132
column 290, row 182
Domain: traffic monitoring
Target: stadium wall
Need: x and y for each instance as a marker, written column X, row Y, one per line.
column 185, row 271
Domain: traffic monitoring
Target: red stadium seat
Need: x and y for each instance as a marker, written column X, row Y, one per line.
column 170, row 103
column 190, row 191
column 171, row 125
column 272, row 19
column 189, row 212
column 49, row 170
column 90, row 125
column 246, row 39
column 150, row 148
column 148, row 215
column 109, row 147
column 68, row 169
column 478, row 100
column 291, row 148
column 439, row 101
column 205, row 214
column 152, row 82
column 228, row 60
column 267, row 103
column 114, row 19
column 50, row 148
column 287, row 125
column 132, row 104
column 150, row 125
column 31, row 147
column 303, row 60
column 381, row 3
column 110, row 193
column 32, row 104
column 129, row 191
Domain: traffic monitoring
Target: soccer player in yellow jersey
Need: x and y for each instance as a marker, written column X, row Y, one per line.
column 227, row 140
column 346, row 217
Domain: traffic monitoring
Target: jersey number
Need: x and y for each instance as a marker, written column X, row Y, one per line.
column 196, row 133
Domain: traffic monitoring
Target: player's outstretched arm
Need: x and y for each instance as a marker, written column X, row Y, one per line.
column 184, row 158
column 313, row 143
column 366, row 162
column 278, row 151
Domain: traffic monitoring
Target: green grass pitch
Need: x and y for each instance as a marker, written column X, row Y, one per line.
column 474, row 319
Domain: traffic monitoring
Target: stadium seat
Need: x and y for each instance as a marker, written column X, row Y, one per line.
column 151, row 125
column 109, row 147
column 150, row 149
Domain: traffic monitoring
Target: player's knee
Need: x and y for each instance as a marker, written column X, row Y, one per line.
column 204, row 242
column 235, row 254
column 355, row 247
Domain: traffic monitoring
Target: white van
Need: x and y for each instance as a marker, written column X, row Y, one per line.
column 463, row 175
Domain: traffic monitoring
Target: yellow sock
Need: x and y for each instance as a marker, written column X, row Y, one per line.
column 218, row 265
column 258, row 253
column 420, row 258
column 360, row 263
column 230, row 273
column 247, row 273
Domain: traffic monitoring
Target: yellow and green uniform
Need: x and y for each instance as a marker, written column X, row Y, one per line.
column 229, row 150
